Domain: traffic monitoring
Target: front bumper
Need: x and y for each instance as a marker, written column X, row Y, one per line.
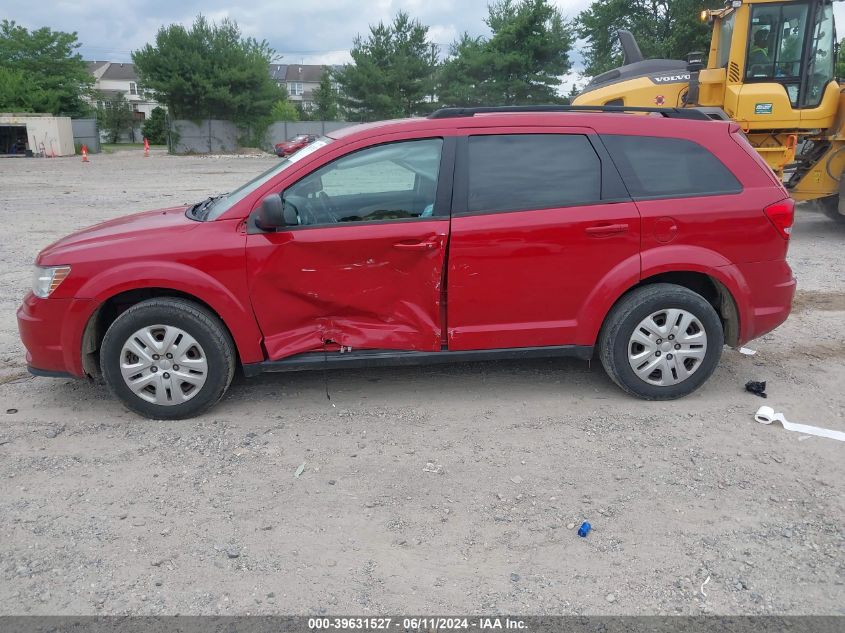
column 51, row 330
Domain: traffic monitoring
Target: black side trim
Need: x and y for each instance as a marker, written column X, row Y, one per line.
column 46, row 373
column 445, row 178
column 613, row 188
column 396, row 358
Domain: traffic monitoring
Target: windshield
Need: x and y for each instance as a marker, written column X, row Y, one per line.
column 227, row 201
column 776, row 42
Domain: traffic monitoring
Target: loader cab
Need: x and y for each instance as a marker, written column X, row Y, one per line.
column 777, row 60
column 785, row 38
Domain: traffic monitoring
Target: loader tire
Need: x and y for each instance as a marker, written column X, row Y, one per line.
column 830, row 206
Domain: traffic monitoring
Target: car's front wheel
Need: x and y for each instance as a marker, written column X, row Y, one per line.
column 661, row 342
column 167, row 358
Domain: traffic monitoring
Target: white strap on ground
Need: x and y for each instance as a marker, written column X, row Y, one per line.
column 767, row 415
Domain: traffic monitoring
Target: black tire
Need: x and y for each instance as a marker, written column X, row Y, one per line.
column 830, row 206
column 630, row 311
column 205, row 327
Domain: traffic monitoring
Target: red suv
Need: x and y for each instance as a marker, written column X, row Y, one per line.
column 651, row 240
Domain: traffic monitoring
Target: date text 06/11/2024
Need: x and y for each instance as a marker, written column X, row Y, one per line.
column 416, row 624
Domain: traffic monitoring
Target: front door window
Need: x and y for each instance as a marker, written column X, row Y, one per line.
column 397, row 181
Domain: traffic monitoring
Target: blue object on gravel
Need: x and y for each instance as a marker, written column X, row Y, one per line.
column 584, row 529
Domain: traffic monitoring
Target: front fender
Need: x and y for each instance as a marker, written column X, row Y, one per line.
column 234, row 308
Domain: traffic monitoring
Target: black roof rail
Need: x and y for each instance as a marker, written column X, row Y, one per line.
column 670, row 113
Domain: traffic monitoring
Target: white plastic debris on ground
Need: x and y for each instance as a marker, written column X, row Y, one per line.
column 767, row 415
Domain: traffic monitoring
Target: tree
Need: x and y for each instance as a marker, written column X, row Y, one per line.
column 520, row 63
column 284, row 110
column 393, row 71
column 40, row 71
column 114, row 117
column 464, row 77
column 573, row 92
column 665, row 29
column 209, row 71
column 155, row 128
column 840, row 62
column 304, row 113
column 325, row 98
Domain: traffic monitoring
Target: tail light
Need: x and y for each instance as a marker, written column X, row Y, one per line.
column 781, row 215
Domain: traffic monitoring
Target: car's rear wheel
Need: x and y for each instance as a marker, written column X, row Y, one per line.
column 661, row 342
column 167, row 358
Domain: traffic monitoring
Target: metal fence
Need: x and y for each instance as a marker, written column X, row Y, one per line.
column 213, row 136
column 86, row 132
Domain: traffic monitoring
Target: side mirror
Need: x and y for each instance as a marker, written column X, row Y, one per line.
column 275, row 214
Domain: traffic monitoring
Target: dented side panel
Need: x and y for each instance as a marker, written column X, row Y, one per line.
column 361, row 286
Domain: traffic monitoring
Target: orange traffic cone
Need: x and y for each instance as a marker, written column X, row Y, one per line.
column 146, row 148
column 85, row 154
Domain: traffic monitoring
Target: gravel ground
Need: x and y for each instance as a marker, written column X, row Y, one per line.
column 425, row 490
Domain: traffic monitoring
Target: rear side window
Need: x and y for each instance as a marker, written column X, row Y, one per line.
column 532, row 171
column 655, row 167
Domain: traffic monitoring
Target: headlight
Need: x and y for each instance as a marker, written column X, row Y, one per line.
column 46, row 279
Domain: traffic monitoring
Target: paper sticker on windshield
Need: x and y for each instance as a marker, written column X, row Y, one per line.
column 307, row 150
column 763, row 108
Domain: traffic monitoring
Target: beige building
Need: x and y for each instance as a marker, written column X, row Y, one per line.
column 38, row 134
column 300, row 80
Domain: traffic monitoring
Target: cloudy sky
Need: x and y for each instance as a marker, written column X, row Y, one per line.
column 301, row 31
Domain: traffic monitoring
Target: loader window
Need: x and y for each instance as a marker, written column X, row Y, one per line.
column 820, row 68
column 775, row 45
column 726, row 33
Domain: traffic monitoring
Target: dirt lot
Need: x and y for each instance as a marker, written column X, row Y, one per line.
column 105, row 512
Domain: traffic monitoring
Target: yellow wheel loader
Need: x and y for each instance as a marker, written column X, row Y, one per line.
column 771, row 70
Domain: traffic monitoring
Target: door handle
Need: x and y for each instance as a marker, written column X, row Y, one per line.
column 606, row 229
column 418, row 246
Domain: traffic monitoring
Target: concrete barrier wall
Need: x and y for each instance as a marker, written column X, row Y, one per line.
column 206, row 137
column 86, row 132
column 221, row 137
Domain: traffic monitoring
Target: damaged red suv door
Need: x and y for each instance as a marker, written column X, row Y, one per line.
column 347, row 275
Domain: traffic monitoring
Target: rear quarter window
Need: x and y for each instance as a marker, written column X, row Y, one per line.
column 657, row 167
